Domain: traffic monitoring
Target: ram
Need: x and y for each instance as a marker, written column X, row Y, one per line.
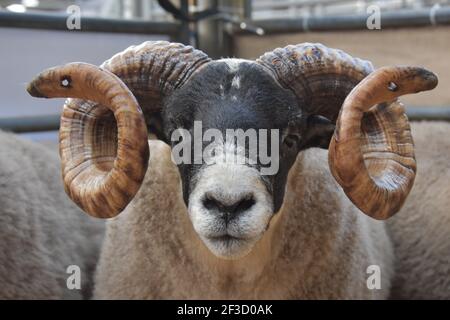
column 41, row 232
column 220, row 228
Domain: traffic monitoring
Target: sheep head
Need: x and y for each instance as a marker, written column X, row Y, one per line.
column 294, row 96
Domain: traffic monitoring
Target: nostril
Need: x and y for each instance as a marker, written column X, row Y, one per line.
column 211, row 203
column 244, row 204
column 227, row 207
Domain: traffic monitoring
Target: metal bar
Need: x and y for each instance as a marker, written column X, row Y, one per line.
column 212, row 38
column 260, row 5
column 184, row 34
column 51, row 122
column 395, row 19
column 30, row 123
column 88, row 24
column 428, row 113
column 248, row 4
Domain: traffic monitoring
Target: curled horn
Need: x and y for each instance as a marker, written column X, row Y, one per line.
column 320, row 77
column 103, row 134
column 371, row 154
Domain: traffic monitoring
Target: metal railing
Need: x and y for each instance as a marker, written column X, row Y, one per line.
column 394, row 19
column 51, row 122
column 30, row 123
column 89, row 24
column 294, row 8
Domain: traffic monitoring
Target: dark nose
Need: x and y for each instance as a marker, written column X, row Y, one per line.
column 228, row 208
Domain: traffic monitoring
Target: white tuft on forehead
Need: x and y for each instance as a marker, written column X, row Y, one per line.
column 233, row 66
column 234, row 63
column 236, row 82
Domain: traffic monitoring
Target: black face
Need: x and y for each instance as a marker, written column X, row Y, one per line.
column 235, row 94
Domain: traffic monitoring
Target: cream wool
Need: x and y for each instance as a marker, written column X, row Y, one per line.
column 41, row 231
column 421, row 230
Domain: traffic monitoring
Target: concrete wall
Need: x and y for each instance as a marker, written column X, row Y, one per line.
column 428, row 47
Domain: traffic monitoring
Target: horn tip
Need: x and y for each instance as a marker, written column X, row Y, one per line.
column 33, row 91
column 430, row 78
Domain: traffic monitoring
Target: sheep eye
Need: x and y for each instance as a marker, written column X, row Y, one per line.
column 65, row 81
column 291, row 141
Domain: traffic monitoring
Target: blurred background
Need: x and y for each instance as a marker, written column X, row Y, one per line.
column 37, row 34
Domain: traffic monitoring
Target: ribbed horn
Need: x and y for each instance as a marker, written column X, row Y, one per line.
column 101, row 175
column 103, row 137
column 375, row 162
column 371, row 154
column 320, row 77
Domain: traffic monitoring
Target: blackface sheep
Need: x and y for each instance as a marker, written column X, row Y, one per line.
column 44, row 239
column 213, row 228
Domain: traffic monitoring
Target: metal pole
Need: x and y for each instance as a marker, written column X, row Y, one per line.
column 88, row 24
column 213, row 38
column 428, row 113
column 396, row 19
column 30, row 123
column 248, row 9
column 51, row 122
column 185, row 29
column 138, row 9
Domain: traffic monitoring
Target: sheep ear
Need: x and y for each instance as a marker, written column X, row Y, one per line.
column 318, row 133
